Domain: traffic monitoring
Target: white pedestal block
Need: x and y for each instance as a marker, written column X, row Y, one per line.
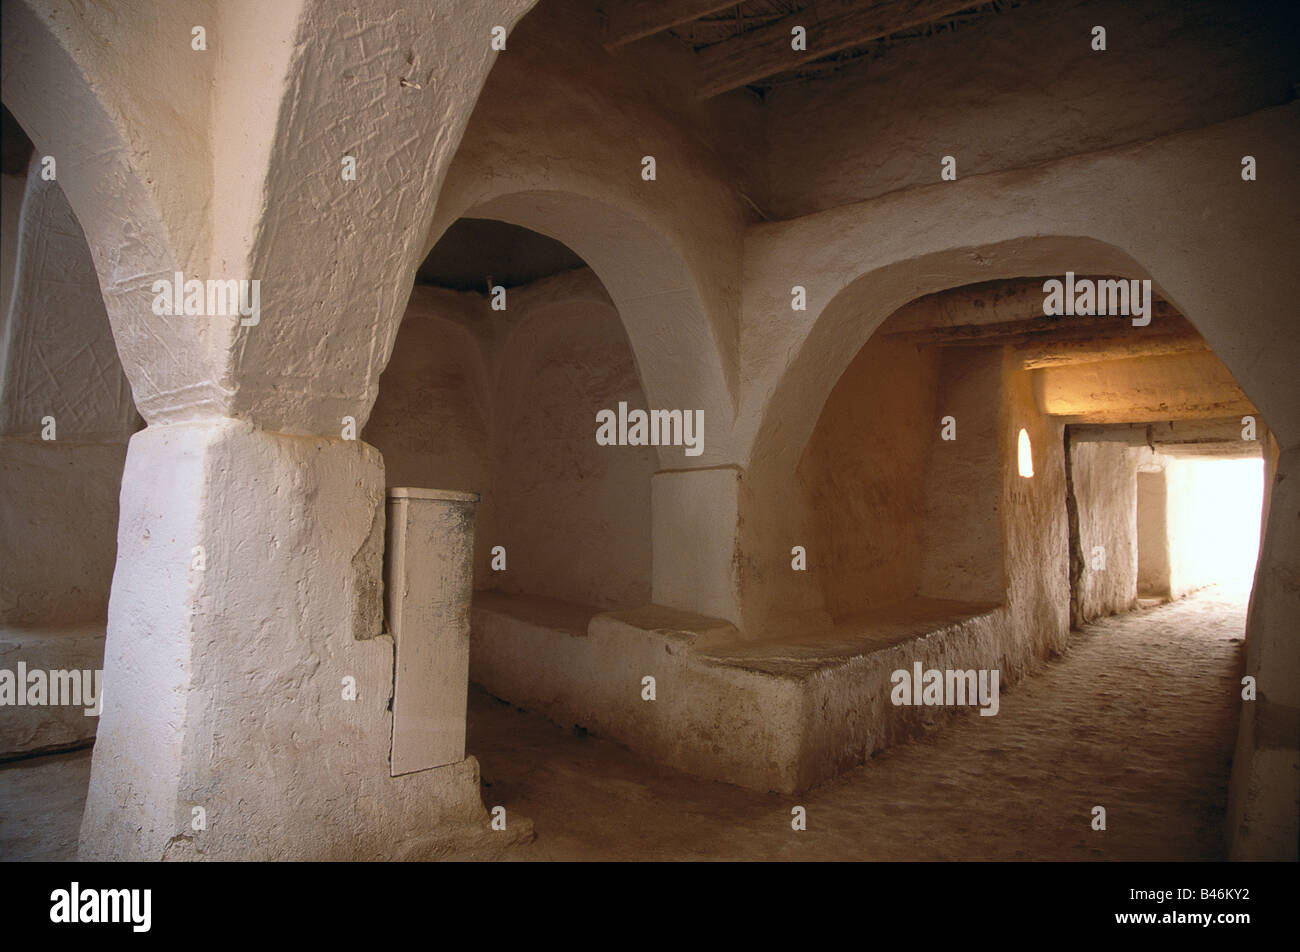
column 429, row 567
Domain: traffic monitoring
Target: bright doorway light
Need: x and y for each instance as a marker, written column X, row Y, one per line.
column 1025, row 454
column 1215, row 520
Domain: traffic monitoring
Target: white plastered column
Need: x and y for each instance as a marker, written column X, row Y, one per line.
column 246, row 711
column 246, row 600
column 1264, row 792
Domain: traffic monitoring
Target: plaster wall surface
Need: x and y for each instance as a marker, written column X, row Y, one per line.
column 59, row 358
column 58, row 527
column 76, row 649
column 1264, row 792
column 962, row 525
column 574, row 516
column 127, row 121
column 1035, row 529
column 404, row 81
column 1152, row 535
column 60, row 377
column 1137, row 389
column 12, row 188
column 1023, row 88
column 696, row 541
column 865, row 473
column 1189, row 567
column 432, row 419
column 1104, row 481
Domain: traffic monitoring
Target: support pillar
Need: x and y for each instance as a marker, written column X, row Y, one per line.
column 247, row 682
column 1264, row 792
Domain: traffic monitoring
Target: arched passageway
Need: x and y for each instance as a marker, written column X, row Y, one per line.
column 66, row 414
column 497, row 390
column 751, row 250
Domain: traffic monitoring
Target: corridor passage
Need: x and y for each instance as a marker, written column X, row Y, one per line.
column 1139, row 717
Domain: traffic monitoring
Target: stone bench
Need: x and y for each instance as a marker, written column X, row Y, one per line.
column 778, row 714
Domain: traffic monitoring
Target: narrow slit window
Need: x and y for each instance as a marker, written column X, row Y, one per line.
column 1026, row 455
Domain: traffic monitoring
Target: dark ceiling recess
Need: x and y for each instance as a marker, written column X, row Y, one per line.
column 748, row 43
column 15, row 147
column 475, row 249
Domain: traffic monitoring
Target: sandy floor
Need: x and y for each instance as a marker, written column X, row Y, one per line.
column 1138, row 717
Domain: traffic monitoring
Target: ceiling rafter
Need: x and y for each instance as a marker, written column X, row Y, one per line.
column 629, row 20
column 767, row 50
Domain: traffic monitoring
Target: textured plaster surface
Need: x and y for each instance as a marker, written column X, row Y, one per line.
column 1105, row 487
column 59, row 359
column 1021, row 89
column 1265, row 791
column 306, row 83
column 574, row 516
column 429, row 564
column 12, row 188
column 962, row 526
column 1152, row 535
column 504, row 403
column 865, row 471
column 1139, row 389
column 696, row 544
column 58, row 530
column 71, row 648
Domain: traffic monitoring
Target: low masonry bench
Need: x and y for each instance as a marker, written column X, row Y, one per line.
column 65, row 715
column 775, row 714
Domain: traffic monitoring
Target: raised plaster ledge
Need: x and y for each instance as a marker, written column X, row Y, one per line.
column 781, row 714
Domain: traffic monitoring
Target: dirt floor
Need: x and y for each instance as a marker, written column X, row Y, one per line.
column 1138, row 717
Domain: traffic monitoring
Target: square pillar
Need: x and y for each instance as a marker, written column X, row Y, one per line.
column 248, row 687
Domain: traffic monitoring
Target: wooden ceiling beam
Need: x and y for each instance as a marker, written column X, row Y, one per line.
column 629, row 20
column 1037, row 354
column 766, row 51
column 1166, row 323
column 1205, row 430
